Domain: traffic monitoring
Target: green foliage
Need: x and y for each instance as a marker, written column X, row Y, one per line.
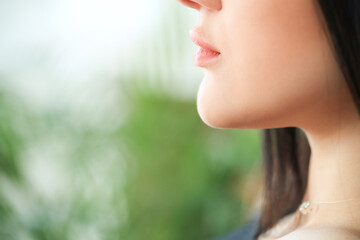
column 10, row 141
column 184, row 174
column 172, row 177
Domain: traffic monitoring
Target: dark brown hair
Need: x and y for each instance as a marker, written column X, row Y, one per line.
column 286, row 151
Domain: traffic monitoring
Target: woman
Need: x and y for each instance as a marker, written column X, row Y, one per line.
column 292, row 68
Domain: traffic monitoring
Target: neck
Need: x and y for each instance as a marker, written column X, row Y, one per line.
column 334, row 164
column 332, row 128
column 334, row 167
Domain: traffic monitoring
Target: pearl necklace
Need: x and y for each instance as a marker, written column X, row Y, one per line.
column 287, row 225
column 309, row 207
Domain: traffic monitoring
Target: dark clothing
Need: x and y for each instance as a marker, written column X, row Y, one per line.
column 246, row 232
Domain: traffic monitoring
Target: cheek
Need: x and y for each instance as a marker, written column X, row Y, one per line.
column 273, row 64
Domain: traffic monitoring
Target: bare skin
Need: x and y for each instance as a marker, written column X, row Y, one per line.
column 277, row 69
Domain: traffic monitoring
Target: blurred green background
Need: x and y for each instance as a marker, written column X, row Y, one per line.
column 99, row 133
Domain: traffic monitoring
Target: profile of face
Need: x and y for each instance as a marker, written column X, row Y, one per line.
column 276, row 66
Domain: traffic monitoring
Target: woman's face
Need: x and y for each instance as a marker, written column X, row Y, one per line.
column 275, row 66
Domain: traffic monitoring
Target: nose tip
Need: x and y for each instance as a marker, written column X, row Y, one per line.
column 190, row 4
column 197, row 4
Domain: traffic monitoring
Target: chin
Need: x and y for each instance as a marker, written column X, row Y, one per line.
column 212, row 113
column 220, row 117
column 214, row 117
column 212, row 120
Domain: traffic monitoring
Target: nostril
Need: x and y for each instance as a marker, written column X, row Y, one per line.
column 190, row 4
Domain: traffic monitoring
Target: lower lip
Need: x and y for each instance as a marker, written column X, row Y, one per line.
column 205, row 57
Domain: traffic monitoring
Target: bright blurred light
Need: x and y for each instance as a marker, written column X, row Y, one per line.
column 84, row 33
column 94, row 31
column 50, row 50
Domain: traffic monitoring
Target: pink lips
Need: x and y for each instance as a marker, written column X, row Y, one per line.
column 206, row 54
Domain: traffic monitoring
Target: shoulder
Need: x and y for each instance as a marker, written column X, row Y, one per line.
column 327, row 233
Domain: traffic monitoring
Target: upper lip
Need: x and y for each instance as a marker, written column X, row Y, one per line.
column 200, row 41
